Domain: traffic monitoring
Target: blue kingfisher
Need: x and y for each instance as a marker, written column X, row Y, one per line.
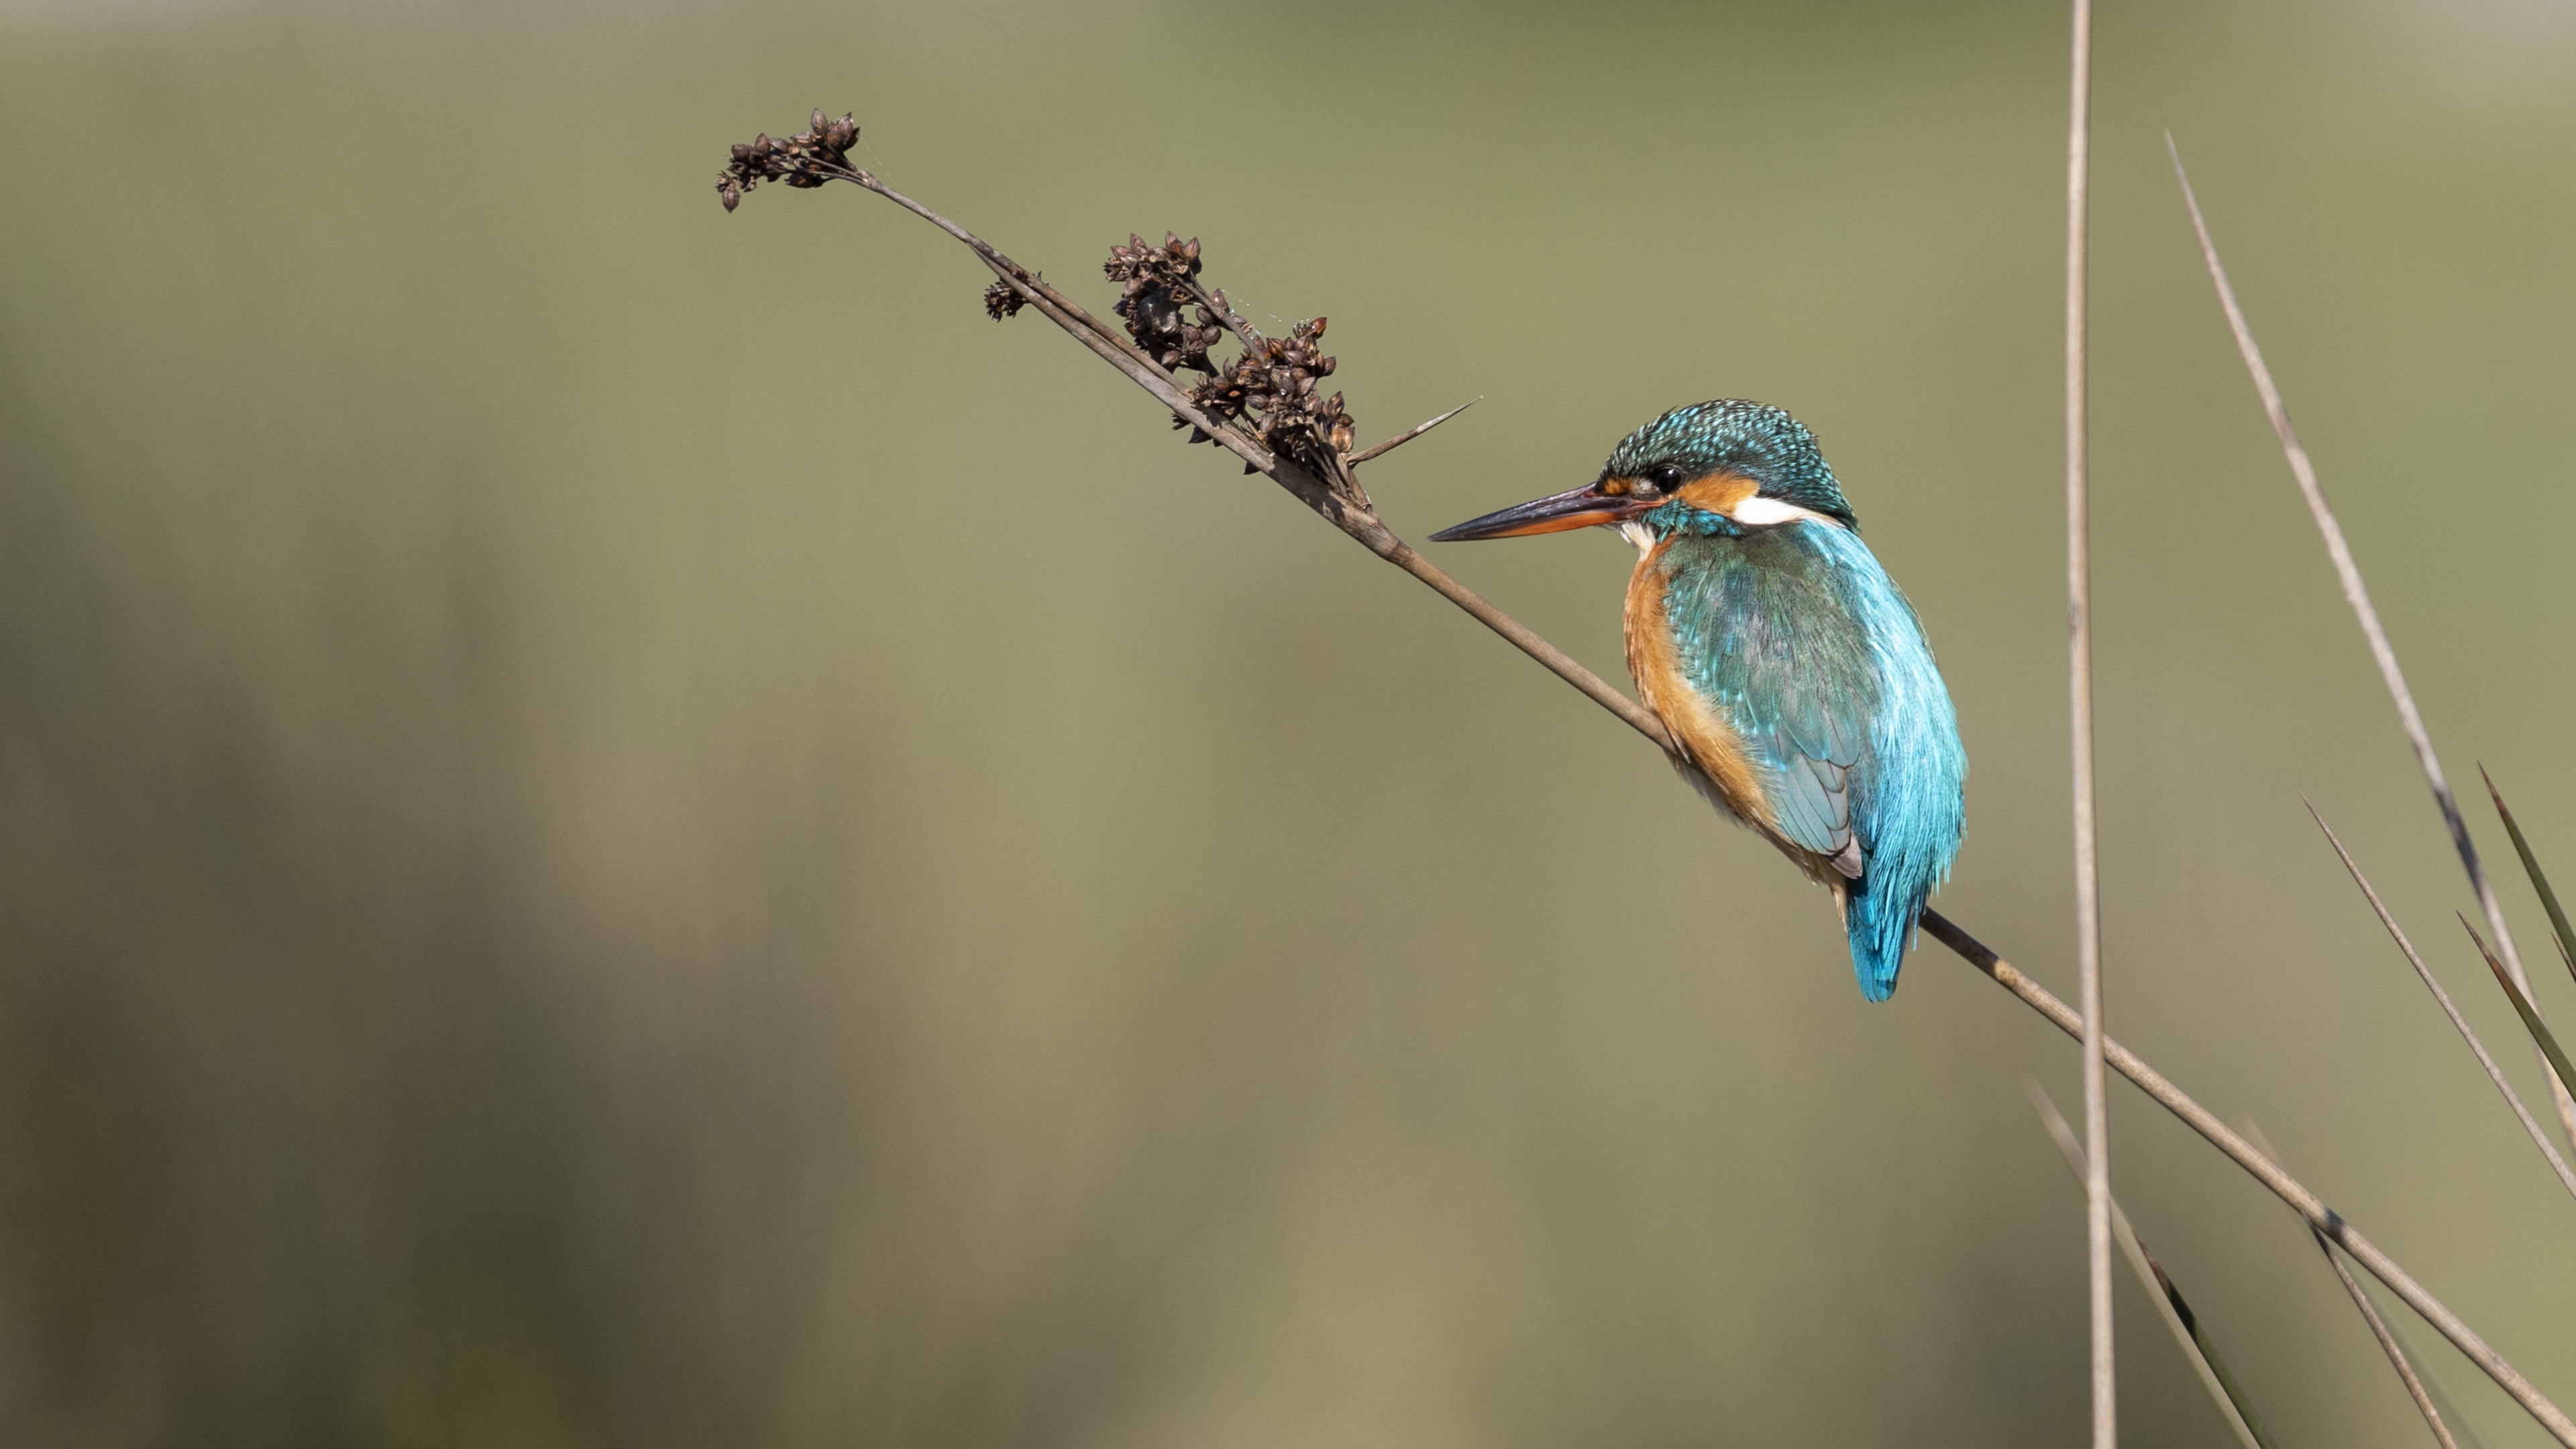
column 1781, row 658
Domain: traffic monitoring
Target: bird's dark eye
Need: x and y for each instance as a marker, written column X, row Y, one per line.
column 1664, row 477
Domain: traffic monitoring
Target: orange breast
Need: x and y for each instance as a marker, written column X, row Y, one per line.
column 1702, row 730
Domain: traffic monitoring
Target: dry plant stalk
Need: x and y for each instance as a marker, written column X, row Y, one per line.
column 2310, row 1208
column 811, row 158
column 1326, row 484
column 2357, row 594
column 2508, row 971
column 2079, row 679
column 2495, row 1073
column 2388, row 1345
column 2228, row 1395
column 2378, row 1326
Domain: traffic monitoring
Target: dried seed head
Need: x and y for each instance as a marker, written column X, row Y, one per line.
column 1158, row 286
column 805, row 160
column 1271, row 389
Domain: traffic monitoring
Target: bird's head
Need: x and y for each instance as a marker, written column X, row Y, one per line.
column 1723, row 467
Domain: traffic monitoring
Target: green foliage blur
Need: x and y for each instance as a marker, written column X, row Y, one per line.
column 627, row 826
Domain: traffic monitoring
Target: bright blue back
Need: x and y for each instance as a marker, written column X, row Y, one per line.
column 1799, row 635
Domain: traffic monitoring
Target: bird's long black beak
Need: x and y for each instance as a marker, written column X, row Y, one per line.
column 1583, row 507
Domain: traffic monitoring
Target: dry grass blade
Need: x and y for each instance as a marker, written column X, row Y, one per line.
column 2224, row 1390
column 1114, row 348
column 2522, row 1007
column 2425, row 1369
column 2388, row 1345
column 2539, row 882
column 1407, row 436
column 2079, row 645
column 2378, row 1326
column 2495, row 1074
column 2357, row 594
column 2267, row 1172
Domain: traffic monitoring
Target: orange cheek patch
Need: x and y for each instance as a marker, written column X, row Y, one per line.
column 1718, row 492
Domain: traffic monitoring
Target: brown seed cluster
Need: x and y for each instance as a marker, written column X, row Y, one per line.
column 1002, row 300
column 1271, row 387
column 1160, row 282
column 1275, row 386
column 1270, row 391
column 799, row 160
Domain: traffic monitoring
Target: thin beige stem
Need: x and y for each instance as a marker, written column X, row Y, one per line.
column 1375, row 536
column 2453, row 1414
column 2388, row 1345
column 2495, row 1074
column 2079, row 648
column 2287, row 1188
column 2357, row 594
column 2160, row 1289
column 1409, row 434
column 2370, row 1315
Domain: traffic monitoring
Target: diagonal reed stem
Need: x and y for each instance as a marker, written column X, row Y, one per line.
column 1115, row 348
column 2180, row 1321
column 2379, row 1329
column 2079, row 679
column 2452, row 1413
column 2388, row 1345
column 2495, row 1073
column 2288, row 1189
column 2357, row 594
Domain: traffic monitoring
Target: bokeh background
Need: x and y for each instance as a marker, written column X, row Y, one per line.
column 627, row 826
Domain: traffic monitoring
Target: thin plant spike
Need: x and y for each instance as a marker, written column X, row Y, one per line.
column 2079, row 648
column 2452, row 1413
column 2539, row 882
column 2370, row 1315
column 2224, row 1390
column 2495, row 1074
column 1408, row 435
column 2357, row 594
column 2522, row 1007
column 2310, row 1208
column 2388, row 1344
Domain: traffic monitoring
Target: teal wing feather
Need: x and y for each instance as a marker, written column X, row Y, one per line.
column 1800, row 637
column 1765, row 634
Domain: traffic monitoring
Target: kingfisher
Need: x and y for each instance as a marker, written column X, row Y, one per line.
column 1791, row 673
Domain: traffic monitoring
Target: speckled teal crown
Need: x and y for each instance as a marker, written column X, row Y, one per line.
column 1755, row 439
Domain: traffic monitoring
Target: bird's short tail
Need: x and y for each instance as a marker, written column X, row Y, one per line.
column 1880, row 913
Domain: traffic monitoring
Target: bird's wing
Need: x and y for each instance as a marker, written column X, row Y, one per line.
column 1764, row 634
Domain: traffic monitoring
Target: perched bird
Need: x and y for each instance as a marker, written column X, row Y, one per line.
column 1780, row 657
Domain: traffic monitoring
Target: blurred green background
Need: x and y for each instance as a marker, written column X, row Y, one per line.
column 626, row 826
